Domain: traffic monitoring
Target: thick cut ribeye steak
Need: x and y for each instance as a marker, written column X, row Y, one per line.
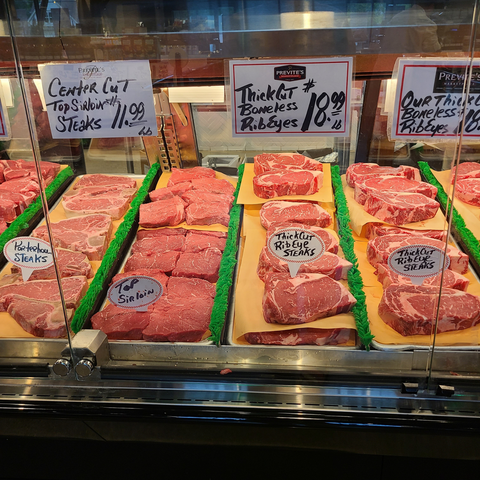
column 360, row 171
column 328, row 264
column 163, row 213
column 189, row 174
column 165, row 262
column 411, row 309
column 89, row 234
column 165, row 243
column 169, row 192
column 300, row 336
column 466, row 170
column 283, row 161
column 277, row 183
column 386, row 276
column 160, row 232
column 374, row 230
column 304, row 298
column 204, row 264
column 388, row 183
column 468, row 191
column 213, row 185
column 101, row 180
column 196, row 241
column 305, row 213
column 380, row 248
column 203, row 213
column 400, row 208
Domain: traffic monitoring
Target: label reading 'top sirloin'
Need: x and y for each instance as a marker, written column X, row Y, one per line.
column 295, row 246
column 135, row 292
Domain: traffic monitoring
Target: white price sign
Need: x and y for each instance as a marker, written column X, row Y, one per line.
column 291, row 97
column 418, row 262
column 135, row 292
column 29, row 254
column 429, row 103
column 295, row 246
column 100, row 99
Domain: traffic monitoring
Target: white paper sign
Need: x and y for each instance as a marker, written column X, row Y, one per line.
column 418, row 262
column 295, row 246
column 429, row 103
column 100, row 99
column 291, row 97
column 29, row 254
column 135, row 292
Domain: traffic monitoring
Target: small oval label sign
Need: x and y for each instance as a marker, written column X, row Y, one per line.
column 418, row 262
column 28, row 253
column 135, row 292
column 295, row 246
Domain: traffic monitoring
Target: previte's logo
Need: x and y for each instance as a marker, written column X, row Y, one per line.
column 91, row 72
column 290, row 73
column 452, row 79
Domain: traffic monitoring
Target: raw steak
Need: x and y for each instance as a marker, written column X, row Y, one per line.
column 146, row 272
column 213, row 185
column 411, row 310
column 74, row 288
column 162, row 244
column 303, row 299
column 21, row 201
column 374, row 230
column 196, row 241
column 40, row 318
column 196, row 196
column 160, row 232
column 121, row 324
column 8, row 210
column 466, row 170
column 203, row 213
column 400, row 208
column 14, row 169
column 380, row 248
column 70, row 264
column 360, row 171
column 187, row 175
column 284, row 161
column 2, row 178
column 170, row 192
column 328, row 264
column 3, row 226
column 165, row 262
column 387, row 183
column 300, row 336
column 89, row 234
column 184, row 288
column 102, row 200
column 163, row 213
column 330, row 242
column 205, row 264
column 451, row 279
column 468, row 191
column 305, row 213
column 27, row 187
column 100, row 180
column 277, row 183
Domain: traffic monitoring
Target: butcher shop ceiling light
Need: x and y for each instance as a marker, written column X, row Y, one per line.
column 197, row 94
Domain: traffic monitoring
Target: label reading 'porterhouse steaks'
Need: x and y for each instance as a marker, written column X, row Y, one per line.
column 418, row 262
column 135, row 293
column 295, row 246
column 29, row 254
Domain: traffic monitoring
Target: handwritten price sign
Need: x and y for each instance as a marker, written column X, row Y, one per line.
column 296, row 98
column 99, row 100
column 135, row 292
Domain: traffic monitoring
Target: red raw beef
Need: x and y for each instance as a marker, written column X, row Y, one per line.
column 360, row 171
column 184, row 288
column 380, row 248
column 210, row 233
column 277, row 183
column 3, row 226
column 160, row 232
column 161, row 244
column 300, row 336
column 466, row 170
column 146, row 272
column 21, row 201
column 213, row 185
column 387, row 183
column 203, row 213
column 163, row 213
column 328, row 264
column 39, row 318
column 400, row 208
column 14, row 169
column 89, row 234
column 8, row 210
column 196, row 241
column 189, row 174
column 2, row 178
column 169, row 192
column 103, row 200
column 27, row 187
column 330, row 242
column 196, row 196
column 101, row 180
column 304, row 298
column 165, row 262
column 468, row 191
column 374, row 230
column 305, row 213
column 284, row 161
column 451, row 279
column 204, row 264
column 411, row 310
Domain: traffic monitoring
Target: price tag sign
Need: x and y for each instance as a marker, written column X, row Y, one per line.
column 429, row 101
column 135, row 292
column 99, row 99
column 29, row 254
column 291, row 97
column 295, row 246
column 418, row 262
